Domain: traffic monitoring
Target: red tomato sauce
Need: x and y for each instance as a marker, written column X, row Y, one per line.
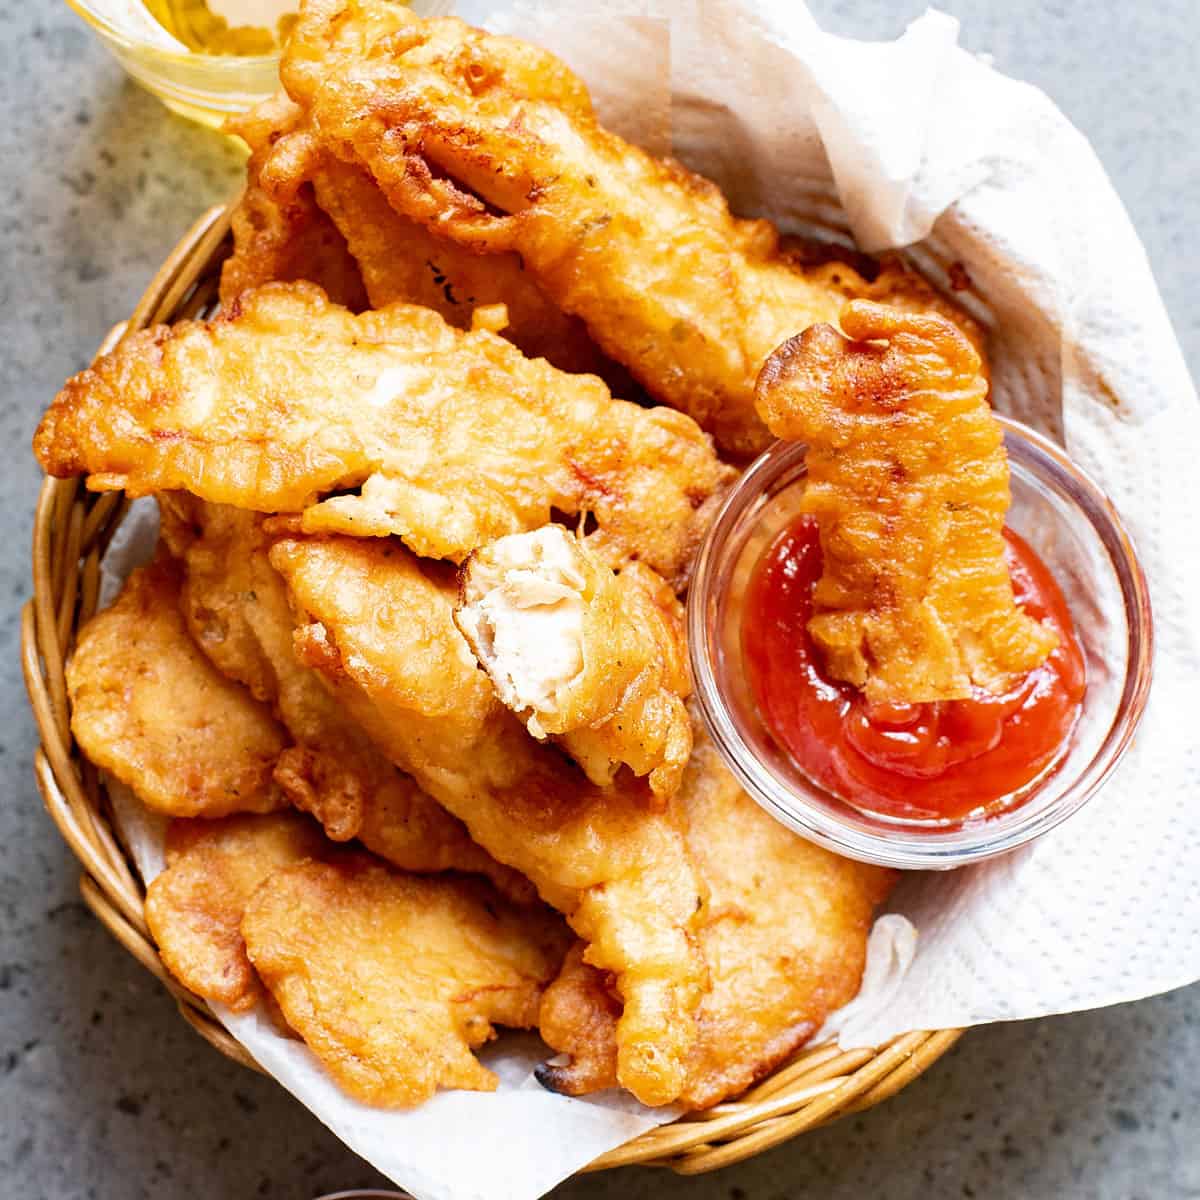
column 919, row 761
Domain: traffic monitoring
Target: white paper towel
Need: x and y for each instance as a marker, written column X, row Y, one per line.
column 921, row 141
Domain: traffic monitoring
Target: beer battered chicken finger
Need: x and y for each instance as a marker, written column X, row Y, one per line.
column 691, row 299
column 195, row 907
column 908, row 481
column 401, row 260
column 785, row 937
column 148, row 707
column 237, row 608
column 381, row 630
column 593, row 658
column 452, row 438
column 307, row 215
column 392, row 980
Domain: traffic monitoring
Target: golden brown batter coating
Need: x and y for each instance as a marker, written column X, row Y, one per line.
column 784, row 935
column 908, row 481
column 306, row 215
column 452, row 438
column 194, row 908
column 148, row 707
column 279, row 232
column 391, row 979
column 481, row 138
column 237, row 608
column 381, row 629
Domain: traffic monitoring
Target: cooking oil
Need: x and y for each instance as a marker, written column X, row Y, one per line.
column 205, row 60
column 227, row 27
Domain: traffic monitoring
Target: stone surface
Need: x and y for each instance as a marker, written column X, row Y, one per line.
column 106, row 1093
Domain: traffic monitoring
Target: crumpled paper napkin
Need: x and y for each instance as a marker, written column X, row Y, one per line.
column 904, row 141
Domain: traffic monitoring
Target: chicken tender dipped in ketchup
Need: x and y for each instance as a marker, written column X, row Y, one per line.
column 913, row 656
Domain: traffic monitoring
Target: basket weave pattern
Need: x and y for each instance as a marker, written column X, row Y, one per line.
column 72, row 528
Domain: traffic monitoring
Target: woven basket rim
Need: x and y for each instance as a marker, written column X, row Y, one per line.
column 72, row 528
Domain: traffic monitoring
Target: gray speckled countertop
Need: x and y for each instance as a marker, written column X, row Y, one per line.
column 105, row 1092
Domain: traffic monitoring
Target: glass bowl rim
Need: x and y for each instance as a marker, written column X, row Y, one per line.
column 971, row 843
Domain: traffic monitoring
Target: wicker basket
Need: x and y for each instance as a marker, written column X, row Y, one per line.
column 71, row 530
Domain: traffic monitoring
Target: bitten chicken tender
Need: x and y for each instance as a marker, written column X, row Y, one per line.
column 453, row 438
column 381, row 629
column 908, row 481
column 594, row 658
column 279, row 233
column 195, row 907
column 785, row 936
column 148, row 707
column 392, row 980
column 691, row 299
column 237, row 608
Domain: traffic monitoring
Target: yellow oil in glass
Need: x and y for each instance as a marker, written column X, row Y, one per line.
column 226, row 27
column 205, row 59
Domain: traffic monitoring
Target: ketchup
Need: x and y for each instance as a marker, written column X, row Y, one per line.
column 941, row 760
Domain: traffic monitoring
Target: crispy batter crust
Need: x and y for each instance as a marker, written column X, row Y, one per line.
column 784, row 935
column 151, row 709
column 393, row 979
column 237, row 608
column 461, row 132
column 307, row 215
column 195, row 907
column 451, row 438
column 382, row 631
column 908, row 480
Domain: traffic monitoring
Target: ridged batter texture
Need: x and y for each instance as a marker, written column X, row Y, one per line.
column 305, row 214
column 492, row 143
column 451, row 439
column 908, row 481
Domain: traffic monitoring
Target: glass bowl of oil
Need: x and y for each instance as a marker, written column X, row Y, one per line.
column 205, row 59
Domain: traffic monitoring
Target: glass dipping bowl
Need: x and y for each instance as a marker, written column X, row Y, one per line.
column 202, row 87
column 1073, row 527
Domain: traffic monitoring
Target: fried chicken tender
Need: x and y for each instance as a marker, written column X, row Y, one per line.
column 392, row 980
column 381, row 629
column 453, row 438
column 236, row 606
column 358, row 29
column 194, row 908
column 296, row 188
column 149, row 708
column 908, row 481
column 279, row 233
column 691, row 299
column 594, row 658
column 403, row 261
column 785, row 937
